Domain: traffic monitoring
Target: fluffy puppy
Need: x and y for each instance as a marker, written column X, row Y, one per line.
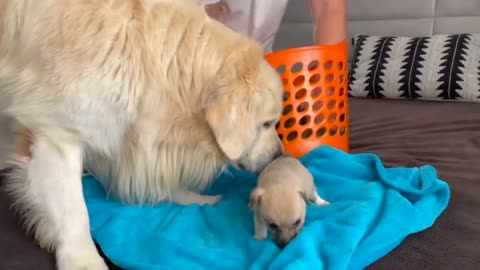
column 279, row 201
column 151, row 96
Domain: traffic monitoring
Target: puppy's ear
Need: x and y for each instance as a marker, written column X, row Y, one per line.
column 305, row 197
column 231, row 118
column 255, row 198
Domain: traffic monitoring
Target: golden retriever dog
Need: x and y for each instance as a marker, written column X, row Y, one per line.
column 152, row 97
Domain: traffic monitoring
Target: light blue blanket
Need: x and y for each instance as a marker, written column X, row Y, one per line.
column 373, row 209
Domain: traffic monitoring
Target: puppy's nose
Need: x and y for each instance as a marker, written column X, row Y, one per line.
column 281, row 243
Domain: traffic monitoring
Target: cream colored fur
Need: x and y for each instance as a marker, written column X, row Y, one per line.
column 284, row 189
column 150, row 96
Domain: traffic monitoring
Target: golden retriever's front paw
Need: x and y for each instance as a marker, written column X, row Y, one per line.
column 211, row 200
column 188, row 197
column 81, row 260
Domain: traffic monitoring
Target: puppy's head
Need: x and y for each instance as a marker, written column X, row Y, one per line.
column 243, row 108
column 282, row 208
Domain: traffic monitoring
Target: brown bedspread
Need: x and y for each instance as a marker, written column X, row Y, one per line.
column 446, row 135
column 402, row 133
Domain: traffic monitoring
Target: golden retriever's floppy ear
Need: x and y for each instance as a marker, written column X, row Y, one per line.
column 231, row 119
column 230, row 104
column 255, row 198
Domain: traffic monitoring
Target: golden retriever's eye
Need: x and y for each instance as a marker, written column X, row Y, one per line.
column 268, row 124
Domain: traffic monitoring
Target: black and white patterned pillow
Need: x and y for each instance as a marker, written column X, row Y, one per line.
column 439, row 67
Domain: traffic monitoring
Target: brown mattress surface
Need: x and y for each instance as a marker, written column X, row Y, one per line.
column 403, row 133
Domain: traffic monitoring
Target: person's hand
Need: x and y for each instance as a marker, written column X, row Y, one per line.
column 214, row 9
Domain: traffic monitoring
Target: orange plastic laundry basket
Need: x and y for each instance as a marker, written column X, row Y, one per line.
column 315, row 107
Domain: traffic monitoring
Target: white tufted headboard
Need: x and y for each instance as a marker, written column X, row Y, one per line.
column 386, row 17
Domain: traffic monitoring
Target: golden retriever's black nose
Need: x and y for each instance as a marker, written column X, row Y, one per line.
column 278, row 154
column 242, row 166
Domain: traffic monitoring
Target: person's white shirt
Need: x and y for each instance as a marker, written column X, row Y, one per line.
column 258, row 19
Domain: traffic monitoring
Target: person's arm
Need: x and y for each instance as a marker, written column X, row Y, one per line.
column 330, row 21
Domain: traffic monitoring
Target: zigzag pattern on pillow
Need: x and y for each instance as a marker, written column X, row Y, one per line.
column 440, row 67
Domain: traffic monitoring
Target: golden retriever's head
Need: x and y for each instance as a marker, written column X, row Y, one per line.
column 243, row 109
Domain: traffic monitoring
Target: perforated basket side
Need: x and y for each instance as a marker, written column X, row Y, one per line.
column 315, row 107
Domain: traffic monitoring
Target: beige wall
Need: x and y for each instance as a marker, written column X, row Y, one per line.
column 386, row 17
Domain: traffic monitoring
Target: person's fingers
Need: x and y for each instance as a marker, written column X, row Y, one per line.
column 213, row 10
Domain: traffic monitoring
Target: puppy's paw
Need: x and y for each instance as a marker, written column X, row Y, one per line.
column 81, row 261
column 320, row 202
column 260, row 236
